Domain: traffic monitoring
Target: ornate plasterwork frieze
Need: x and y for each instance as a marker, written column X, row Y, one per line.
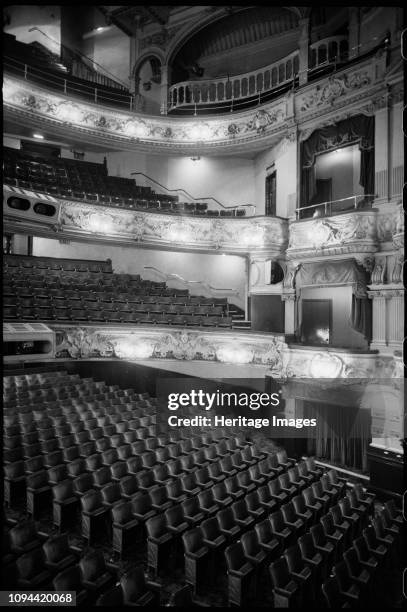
column 140, row 129
column 140, row 343
column 330, row 364
column 255, row 234
column 339, row 235
column 233, row 347
column 333, row 88
column 390, row 223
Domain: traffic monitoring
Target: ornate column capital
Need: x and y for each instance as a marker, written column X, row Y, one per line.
column 288, row 297
column 385, row 294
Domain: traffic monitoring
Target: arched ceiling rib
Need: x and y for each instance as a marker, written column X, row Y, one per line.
column 241, row 28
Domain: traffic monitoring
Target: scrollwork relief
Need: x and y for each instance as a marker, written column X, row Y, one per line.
column 334, row 88
column 243, row 234
column 180, row 344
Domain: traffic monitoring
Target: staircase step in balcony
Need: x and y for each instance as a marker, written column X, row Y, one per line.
column 241, row 324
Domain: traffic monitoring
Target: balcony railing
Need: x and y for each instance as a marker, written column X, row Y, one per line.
column 334, row 207
column 329, row 51
column 69, row 85
column 235, row 89
column 214, row 206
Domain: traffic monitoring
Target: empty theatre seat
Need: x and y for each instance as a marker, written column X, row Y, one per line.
column 31, row 569
column 93, row 510
column 196, row 556
column 254, row 506
column 158, row 541
column 333, row 595
column 94, row 573
column 252, row 549
column 124, row 526
column 58, row 555
column 70, row 580
column 323, row 545
column 266, row 538
column 136, row 590
column 23, row 537
column 240, row 571
column 211, row 534
column 286, row 590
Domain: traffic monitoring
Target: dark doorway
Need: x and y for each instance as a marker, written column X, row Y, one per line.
column 324, row 191
column 271, row 194
column 267, row 313
column 316, row 325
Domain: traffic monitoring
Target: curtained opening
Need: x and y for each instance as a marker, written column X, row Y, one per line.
column 358, row 129
column 342, row 436
column 361, row 316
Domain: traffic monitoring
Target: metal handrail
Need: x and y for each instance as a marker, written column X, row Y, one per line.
column 62, row 83
column 181, row 190
column 191, row 282
column 328, row 204
column 82, row 55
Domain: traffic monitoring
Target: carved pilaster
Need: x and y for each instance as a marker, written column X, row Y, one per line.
column 165, row 80
column 396, row 318
column 378, row 319
column 388, row 317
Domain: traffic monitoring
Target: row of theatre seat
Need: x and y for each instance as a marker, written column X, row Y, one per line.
column 98, row 453
column 89, row 182
column 33, row 290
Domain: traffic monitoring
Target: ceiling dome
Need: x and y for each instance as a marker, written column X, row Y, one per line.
column 222, row 47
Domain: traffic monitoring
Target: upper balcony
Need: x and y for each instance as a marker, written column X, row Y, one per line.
column 252, row 88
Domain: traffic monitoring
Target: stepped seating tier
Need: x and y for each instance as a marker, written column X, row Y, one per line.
column 89, row 182
column 50, row 289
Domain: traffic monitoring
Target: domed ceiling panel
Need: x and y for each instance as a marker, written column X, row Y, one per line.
column 233, row 35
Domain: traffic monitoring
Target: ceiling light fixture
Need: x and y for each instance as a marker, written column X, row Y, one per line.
column 38, row 136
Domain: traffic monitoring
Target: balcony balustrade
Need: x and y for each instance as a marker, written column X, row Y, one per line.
column 257, row 84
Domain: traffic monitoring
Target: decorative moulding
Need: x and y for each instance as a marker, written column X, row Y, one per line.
column 253, row 129
column 344, row 234
column 244, row 235
column 232, row 347
column 135, row 343
column 105, row 123
column 330, row 364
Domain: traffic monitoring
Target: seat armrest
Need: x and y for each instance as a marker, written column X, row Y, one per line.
column 281, row 591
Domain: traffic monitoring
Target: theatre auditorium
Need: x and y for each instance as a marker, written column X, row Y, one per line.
column 203, row 202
